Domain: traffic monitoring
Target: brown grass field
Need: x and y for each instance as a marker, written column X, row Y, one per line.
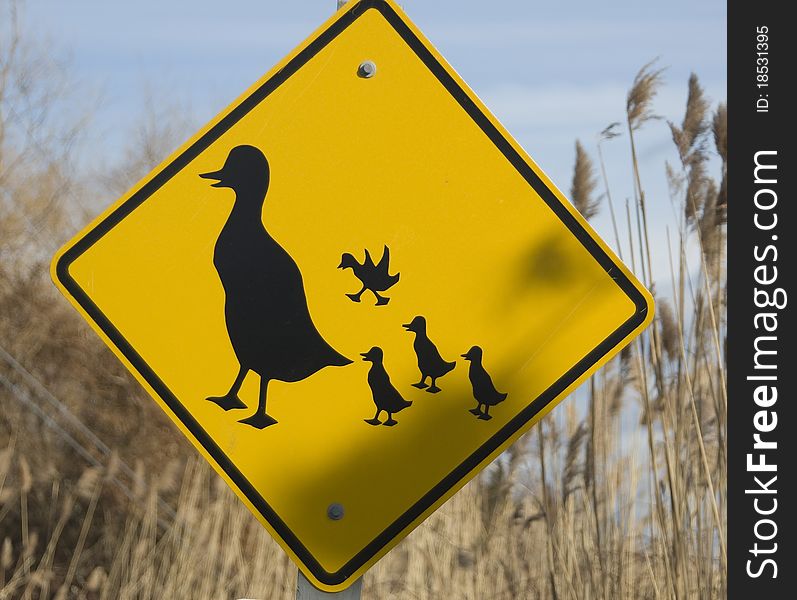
column 618, row 494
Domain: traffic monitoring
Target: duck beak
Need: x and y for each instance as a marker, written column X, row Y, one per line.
column 365, row 356
column 407, row 326
column 217, row 176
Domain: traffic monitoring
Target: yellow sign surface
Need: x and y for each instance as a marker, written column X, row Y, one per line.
column 352, row 290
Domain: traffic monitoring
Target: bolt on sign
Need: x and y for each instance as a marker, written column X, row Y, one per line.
column 352, row 290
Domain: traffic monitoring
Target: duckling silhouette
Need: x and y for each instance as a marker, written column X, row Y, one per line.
column 483, row 389
column 373, row 277
column 430, row 363
column 386, row 397
column 265, row 308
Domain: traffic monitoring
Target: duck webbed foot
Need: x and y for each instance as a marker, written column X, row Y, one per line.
column 356, row 297
column 390, row 422
column 485, row 416
column 381, row 300
column 375, row 420
column 433, row 389
column 421, row 384
column 476, row 411
column 259, row 420
column 228, row 401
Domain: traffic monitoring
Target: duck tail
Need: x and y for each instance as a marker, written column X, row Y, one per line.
column 338, row 360
column 450, row 367
column 502, row 397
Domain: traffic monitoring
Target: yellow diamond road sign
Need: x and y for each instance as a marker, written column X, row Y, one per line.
column 352, row 290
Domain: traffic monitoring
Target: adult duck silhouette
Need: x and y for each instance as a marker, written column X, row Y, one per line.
column 386, row 397
column 374, row 277
column 430, row 363
column 265, row 307
column 483, row 389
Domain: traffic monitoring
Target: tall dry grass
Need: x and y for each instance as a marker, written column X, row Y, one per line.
column 618, row 494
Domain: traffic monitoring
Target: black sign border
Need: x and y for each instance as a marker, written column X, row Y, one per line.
column 506, row 148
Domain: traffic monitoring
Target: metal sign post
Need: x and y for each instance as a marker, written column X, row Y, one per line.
column 306, row 591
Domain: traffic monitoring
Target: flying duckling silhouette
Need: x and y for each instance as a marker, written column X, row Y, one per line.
column 265, row 308
column 483, row 389
column 386, row 397
column 430, row 363
column 373, row 277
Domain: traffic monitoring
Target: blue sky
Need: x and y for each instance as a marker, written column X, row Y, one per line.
column 551, row 72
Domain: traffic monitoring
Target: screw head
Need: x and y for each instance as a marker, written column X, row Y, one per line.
column 367, row 69
column 335, row 511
